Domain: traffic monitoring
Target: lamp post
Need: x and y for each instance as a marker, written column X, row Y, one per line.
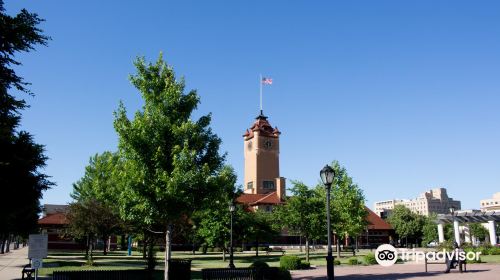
column 232, row 208
column 327, row 174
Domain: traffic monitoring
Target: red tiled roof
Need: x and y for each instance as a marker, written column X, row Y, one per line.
column 54, row 219
column 375, row 222
column 264, row 128
column 256, row 199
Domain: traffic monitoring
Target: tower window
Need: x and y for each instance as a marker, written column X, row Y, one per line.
column 249, row 185
column 269, row 185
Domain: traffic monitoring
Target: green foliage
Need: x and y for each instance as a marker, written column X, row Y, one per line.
column 276, row 273
column 21, row 159
column 259, row 264
column 406, row 223
column 336, row 262
column 305, row 265
column 174, row 160
column 429, row 229
column 348, row 203
column 302, row 214
column 477, row 230
column 353, row 261
column 370, row 259
column 290, row 262
column 90, row 218
column 446, row 245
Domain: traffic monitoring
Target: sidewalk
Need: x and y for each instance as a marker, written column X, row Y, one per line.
column 12, row 263
column 402, row 271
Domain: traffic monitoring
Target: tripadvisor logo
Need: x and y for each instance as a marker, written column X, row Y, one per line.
column 387, row 255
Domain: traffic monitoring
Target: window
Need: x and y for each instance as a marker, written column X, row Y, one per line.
column 269, row 208
column 268, row 185
column 249, row 185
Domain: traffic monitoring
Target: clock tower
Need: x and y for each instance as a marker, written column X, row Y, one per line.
column 261, row 148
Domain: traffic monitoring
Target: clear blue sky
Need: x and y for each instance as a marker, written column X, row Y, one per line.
column 405, row 94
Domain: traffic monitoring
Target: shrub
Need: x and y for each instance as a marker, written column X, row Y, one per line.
column 259, row 265
column 336, row 262
column 276, row 273
column 210, row 249
column 494, row 251
column 290, row 262
column 238, row 249
column 399, row 260
column 253, row 249
column 217, row 250
column 305, row 265
column 370, row 259
column 263, row 248
column 353, row 261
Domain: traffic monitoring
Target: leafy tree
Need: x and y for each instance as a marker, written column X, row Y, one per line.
column 429, row 229
column 258, row 227
column 479, row 231
column 302, row 213
column 175, row 161
column 212, row 223
column 406, row 223
column 90, row 219
column 21, row 159
column 102, row 179
column 347, row 205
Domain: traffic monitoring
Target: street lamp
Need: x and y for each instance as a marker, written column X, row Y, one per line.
column 327, row 174
column 232, row 208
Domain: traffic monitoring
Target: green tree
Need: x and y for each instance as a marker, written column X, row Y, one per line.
column 258, row 227
column 173, row 160
column 406, row 223
column 90, row 219
column 348, row 212
column 212, row 223
column 429, row 229
column 479, row 231
column 21, row 159
column 302, row 214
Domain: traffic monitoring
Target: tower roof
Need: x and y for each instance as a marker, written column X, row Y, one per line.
column 264, row 128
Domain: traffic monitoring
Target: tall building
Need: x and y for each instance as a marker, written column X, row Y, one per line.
column 432, row 201
column 491, row 204
column 263, row 186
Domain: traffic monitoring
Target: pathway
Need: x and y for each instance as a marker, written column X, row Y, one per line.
column 401, row 271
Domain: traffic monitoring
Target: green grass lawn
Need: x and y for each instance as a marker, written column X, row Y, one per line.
column 74, row 260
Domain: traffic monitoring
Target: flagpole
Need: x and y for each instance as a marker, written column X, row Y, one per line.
column 260, row 83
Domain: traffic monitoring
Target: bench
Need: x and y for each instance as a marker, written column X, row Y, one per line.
column 228, row 273
column 275, row 249
column 28, row 272
column 460, row 264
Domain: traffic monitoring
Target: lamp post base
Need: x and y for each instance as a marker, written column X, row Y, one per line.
column 329, row 267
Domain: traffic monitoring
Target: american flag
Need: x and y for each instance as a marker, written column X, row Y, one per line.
column 267, row 81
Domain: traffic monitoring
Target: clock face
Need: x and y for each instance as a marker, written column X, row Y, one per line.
column 268, row 144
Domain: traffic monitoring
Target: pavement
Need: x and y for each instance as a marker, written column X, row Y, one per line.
column 12, row 263
column 401, row 271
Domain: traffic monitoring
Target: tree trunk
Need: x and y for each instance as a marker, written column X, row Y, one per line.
column 338, row 246
column 168, row 250
column 122, row 242
column 87, row 247
column 144, row 245
column 256, row 247
column 223, row 254
column 105, row 246
column 2, row 245
column 307, row 249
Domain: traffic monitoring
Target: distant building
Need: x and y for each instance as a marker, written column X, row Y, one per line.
column 432, row 201
column 491, row 204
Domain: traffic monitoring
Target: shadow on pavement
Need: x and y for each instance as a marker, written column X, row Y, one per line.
column 389, row 276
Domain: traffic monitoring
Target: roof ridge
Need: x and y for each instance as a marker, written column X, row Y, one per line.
column 266, row 196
